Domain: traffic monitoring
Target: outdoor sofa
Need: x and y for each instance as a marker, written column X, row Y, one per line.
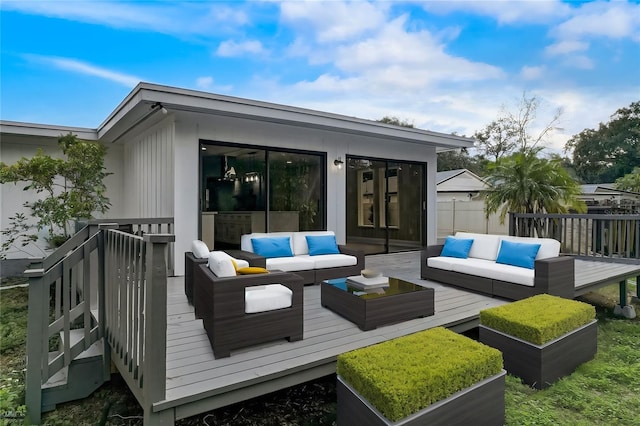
column 502, row 266
column 244, row 310
column 313, row 255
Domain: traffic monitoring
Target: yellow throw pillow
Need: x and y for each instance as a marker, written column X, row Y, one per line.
column 252, row 270
column 235, row 265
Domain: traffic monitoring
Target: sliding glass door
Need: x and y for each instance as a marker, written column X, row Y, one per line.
column 385, row 205
column 248, row 189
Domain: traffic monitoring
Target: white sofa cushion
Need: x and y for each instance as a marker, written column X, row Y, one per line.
column 490, row 269
column 299, row 240
column 199, row 249
column 221, row 265
column 548, row 246
column 442, row 262
column 245, row 240
column 331, row 260
column 484, row 246
column 290, row 264
column 262, row 298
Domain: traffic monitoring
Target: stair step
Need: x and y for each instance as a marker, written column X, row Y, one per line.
column 94, row 352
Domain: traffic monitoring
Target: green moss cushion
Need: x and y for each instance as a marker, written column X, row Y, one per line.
column 402, row 376
column 538, row 319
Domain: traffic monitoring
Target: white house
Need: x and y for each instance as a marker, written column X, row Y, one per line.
column 223, row 166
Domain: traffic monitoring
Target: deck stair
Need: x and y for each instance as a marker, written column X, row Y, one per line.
column 77, row 380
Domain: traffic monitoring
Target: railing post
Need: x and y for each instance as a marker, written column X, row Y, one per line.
column 37, row 331
column 512, row 224
column 102, row 308
column 155, row 322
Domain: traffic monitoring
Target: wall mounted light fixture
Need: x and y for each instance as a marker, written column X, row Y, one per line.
column 338, row 162
column 159, row 107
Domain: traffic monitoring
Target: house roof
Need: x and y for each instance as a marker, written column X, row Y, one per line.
column 603, row 188
column 145, row 101
column 450, row 174
column 460, row 180
column 139, row 105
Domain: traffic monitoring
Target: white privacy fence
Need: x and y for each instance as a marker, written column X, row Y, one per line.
column 467, row 216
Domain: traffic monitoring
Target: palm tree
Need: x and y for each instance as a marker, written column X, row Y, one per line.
column 525, row 183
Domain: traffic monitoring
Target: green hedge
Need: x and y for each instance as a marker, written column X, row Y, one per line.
column 402, row 376
column 538, row 319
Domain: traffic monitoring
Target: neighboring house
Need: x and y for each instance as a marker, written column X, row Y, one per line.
column 223, row 166
column 605, row 198
column 461, row 205
column 460, row 184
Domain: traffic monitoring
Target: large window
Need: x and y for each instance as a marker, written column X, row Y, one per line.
column 248, row 189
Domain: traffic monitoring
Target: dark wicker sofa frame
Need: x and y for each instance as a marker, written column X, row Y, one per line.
column 220, row 302
column 552, row 276
column 311, row 276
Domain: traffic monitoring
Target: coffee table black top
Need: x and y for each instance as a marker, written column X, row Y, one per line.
column 396, row 286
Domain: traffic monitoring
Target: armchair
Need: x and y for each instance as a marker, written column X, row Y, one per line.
column 220, row 302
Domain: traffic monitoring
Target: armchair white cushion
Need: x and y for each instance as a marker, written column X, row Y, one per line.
column 262, row 298
column 221, row 265
column 199, row 249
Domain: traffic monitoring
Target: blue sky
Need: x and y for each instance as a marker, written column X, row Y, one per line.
column 447, row 66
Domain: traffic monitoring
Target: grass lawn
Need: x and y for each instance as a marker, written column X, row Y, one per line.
column 603, row 391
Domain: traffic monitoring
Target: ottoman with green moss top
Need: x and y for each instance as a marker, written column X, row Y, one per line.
column 542, row 338
column 431, row 377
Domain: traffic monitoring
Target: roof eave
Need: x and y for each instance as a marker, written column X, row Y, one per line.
column 46, row 130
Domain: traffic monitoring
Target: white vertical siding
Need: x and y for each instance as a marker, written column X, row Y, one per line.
column 149, row 172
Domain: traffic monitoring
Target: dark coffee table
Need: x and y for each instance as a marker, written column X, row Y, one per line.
column 400, row 301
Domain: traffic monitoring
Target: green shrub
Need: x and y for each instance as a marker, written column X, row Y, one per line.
column 538, row 319
column 402, row 376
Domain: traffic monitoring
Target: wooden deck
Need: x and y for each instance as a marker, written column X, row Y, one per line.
column 196, row 382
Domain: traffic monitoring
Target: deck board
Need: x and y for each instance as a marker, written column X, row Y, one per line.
column 197, row 382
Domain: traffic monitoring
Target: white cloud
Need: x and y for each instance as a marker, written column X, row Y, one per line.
column 614, row 20
column 579, row 61
column 567, row 46
column 178, row 19
column 230, row 48
column 504, row 11
column 81, row 67
column 204, row 82
column 531, row 72
column 334, row 21
column 394, row 60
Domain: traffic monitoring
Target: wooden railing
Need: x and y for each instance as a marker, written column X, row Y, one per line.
column 100, row 283
column 135, row 314
column 611, row 236
column 158, row 225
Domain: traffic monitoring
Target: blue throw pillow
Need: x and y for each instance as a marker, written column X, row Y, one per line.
column 323, row 244
column 456, row 247
column 272, row 246
column 518, row 254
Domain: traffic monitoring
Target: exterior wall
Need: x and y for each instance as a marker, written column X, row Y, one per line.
column 149, row 172
column 191, row 128
column 12, row 197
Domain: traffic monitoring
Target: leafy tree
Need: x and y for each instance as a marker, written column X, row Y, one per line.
column 511, row 131
column 611, row 151
column 459, row 159
column 630, row 181
column 69, row 189
column 395, row 121
column 526, row 183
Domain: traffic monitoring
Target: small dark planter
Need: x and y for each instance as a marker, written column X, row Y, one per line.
column 540, row 366
column 480, row 404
